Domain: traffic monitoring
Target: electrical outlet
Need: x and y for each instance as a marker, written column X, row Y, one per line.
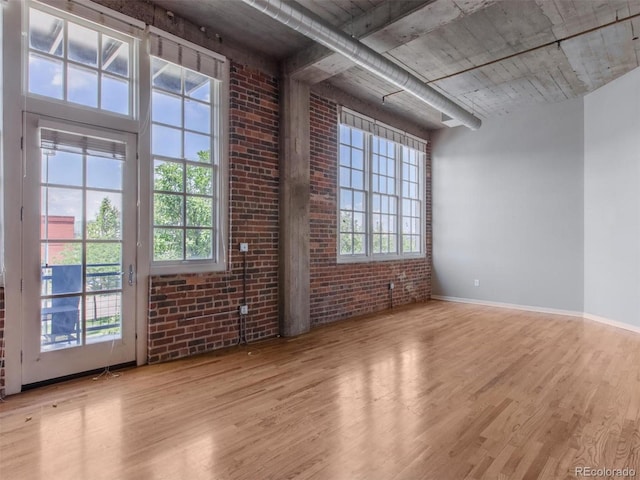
column 244, row 309
column 244, row 247
column 476, row 283
column 391, row 286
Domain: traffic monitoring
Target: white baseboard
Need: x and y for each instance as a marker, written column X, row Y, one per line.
column 511, row 306
column 528, row 308
column 613, row 323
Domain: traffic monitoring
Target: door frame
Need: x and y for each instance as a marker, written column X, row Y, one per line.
column 15, row 103
column 117, row 351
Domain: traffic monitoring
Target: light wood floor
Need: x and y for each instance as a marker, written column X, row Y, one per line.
column 439, row 391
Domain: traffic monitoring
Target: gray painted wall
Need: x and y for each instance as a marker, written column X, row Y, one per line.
column 508, row 209
column 612, row 200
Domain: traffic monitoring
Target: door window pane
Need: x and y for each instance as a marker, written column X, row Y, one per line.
column 104, row 173
column 104, row 322
column 81, row 244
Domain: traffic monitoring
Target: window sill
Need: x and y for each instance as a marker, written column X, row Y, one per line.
column 378, row 258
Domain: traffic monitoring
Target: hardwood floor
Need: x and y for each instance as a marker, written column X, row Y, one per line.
column 436, row 391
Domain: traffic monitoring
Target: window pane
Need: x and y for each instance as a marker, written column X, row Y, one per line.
column 45, row 33
column 45, row 76
column 199, row 180
column 104, row 217
column 357, row 178
column 168, row 176
column 166, row 108
column 345, row 135
column 345, row 155
column 103, row 317
column 345, row 244
column 167, row 244
column 359, row 243
column 415, row 226
column 197, row 116
column 166, row 141
column 104, row 173
column 377, row 223
column 377, row 243
column 166, row 75
column 115, row 56
column 391, row 186
column 357, row 138
column 346, row 224
column 115, row 95
column 345, row 177
column 59, row 253
column 104, row 266
column 197, row 147
column 392, row 244
column 82, row 86
column 197, row 86
column 357, row 159
column 61, row 213
column 359, row 222
column 61, row 168
column 358, row 201
column 199, row 244
column 345, row 199
column 82, row 45
column 167, row 209
column 199, row 212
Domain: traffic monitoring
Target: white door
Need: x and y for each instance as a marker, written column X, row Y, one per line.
column 79, row 245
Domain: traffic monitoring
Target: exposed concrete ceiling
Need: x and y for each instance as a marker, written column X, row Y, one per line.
column 482, row 53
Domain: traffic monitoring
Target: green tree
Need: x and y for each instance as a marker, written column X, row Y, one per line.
column 104, row 258
column 107, row 224
column 183, row 197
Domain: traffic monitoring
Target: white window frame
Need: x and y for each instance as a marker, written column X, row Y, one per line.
column 182, row 53
column 372, row 129
column 127, row 32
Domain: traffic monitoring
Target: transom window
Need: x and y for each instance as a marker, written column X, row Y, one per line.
column 185, row 168
column 381, row 193
column 79, row 64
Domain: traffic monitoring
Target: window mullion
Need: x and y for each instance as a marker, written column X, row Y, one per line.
column 398, row 195
column 368, row 165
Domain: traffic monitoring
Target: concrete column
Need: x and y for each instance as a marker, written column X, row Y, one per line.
column 294, row 208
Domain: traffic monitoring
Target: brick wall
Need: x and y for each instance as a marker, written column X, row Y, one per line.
column 1, row 342
column 340, row 291
column 189, row 314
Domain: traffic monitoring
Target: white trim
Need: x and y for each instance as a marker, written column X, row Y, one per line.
column 185, row 43
column 98, row 14
column 612, row 323
column 512, row 306
column 12, row 190
column 553, row 311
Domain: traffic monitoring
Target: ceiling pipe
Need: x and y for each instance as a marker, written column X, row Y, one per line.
column 305, row 22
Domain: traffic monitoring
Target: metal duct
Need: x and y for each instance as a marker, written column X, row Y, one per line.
column 301, row 20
